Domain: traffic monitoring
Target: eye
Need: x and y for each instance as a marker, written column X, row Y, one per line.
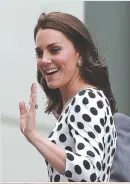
column 55, row 50
column 39, row 53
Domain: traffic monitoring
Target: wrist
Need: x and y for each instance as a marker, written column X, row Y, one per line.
column 30, row 136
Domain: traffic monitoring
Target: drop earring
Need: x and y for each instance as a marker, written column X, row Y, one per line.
column 79, row 63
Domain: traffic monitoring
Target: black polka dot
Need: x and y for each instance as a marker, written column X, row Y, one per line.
column 86, row 164
column 94, row 111
column 77, row 169
column 109, row 138
column 104, row 156
column 86, row 117
column 85, row 101
column 86, row 139
column 62, row 137
column 111, row 120
column 59, row 127
column 68, row 174
column 51, row 178
column 113, row 151
column 68, row 148
column 97, row 128
column 105, row 119
column 80, row 146
column 81, row 93
column 108, row 170
column 73, row 101
column 72, row 118
column 77, row 154
column 66, row 110
column 80, row 125
column 93, row 177
column 100, row 104
column 102, row 122
column 46, row 162
column 108, row 149
column 51, row 134
column 71, row 180
column 77, row 108
column 99, row 94
column 112, row 143
column 70, row 156
column 104, row 177
column 83, row 180
column 76, row 132
column 60, row 118
column 108, row 160
column 91, row 134
column 52, row 170
column 90, row 153
column 66, row 119
column 107, row 129
column 100, row 146
column 96, row 150
column 107, row 110
column 103, row 141
column 103, row 167
column 91, row 94
column 53, row 141
column 98, row 166
column 107, row 102
column 57, row 178
column 70, row 133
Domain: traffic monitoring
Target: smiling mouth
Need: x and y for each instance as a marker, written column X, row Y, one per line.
column 51, row 71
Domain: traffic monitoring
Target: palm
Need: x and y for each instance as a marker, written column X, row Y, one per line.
column 28, row 116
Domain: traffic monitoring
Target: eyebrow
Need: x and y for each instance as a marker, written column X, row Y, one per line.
column 50, row 45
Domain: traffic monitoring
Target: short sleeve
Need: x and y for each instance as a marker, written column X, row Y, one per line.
column 86, row 121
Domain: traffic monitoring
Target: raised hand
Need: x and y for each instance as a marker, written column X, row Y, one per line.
column 28, row 115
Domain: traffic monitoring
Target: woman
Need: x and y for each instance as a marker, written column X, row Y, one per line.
column 82, row 144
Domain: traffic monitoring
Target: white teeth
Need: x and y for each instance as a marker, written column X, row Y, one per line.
column 52, row 70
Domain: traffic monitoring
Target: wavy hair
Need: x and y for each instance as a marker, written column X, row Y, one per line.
column 93, row 70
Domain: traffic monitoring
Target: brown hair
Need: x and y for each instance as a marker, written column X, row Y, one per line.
column 92, row 69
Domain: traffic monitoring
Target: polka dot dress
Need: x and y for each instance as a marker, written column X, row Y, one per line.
column 86, row 131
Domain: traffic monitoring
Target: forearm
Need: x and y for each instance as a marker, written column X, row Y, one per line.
column 55, row 155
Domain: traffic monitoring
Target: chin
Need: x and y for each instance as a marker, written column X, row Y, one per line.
column 54, row 85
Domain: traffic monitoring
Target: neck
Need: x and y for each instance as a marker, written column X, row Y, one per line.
column 76, row 85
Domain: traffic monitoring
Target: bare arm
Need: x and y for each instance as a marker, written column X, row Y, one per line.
column 51, row 152
column 55, row 155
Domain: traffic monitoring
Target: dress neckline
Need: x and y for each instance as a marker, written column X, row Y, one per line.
column 68, row 101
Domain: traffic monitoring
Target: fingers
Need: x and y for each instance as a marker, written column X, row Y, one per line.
column 33, row 97
column 22, row 108
column 23, row 116
column 27, row 115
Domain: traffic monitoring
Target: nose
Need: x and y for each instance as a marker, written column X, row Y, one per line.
column 44, row 60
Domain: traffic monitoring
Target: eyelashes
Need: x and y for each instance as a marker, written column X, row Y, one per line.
column 39, row 54
column 54, row 50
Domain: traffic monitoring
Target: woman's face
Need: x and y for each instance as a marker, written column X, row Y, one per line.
column 56, row 58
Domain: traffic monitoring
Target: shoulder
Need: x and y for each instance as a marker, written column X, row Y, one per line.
column 89, row 104
column 90, row 98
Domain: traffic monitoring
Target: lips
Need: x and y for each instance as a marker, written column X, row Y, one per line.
column 51, row 71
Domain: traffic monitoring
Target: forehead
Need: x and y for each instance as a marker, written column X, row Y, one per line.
column 49, row 36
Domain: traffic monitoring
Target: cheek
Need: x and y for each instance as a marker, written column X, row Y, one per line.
column 66, row 58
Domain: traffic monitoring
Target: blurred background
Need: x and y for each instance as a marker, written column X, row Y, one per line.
column 109, row 25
